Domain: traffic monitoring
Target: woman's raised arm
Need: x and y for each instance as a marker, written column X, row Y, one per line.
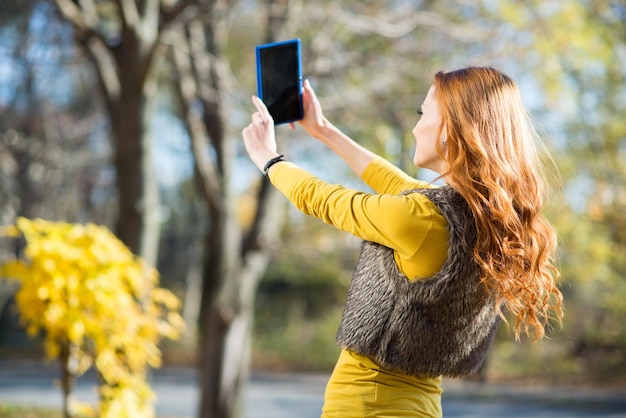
column 315, row 124
column 260, row 141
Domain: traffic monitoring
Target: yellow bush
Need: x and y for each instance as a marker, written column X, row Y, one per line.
column 96, row 304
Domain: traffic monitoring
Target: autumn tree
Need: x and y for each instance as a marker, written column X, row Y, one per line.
column 96, row 304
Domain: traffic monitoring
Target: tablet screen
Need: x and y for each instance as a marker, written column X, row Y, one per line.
column 280, row 80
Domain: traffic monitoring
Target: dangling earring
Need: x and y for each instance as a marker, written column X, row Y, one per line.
column 444, row 142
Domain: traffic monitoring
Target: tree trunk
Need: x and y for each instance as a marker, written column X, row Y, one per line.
column 236, row 261
column 126, row 64
column 67, row 377
column 138, row 217
column 227, row 317
column 227, row 338
column 193, row 277
column 233, row 263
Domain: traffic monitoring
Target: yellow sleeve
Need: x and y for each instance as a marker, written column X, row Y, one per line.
column 384, row 177
column 398, row 222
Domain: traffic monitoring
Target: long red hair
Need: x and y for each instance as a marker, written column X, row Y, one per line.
column 492, row 160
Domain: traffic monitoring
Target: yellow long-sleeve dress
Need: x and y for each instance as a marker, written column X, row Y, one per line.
column 417, row 232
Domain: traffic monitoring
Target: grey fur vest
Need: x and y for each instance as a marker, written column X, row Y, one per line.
column 442, row 325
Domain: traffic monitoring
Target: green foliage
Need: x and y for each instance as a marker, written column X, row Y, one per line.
column 97, row 304
column 301, row 298
column 15, row 411
column 296, row 341
column 576, row 51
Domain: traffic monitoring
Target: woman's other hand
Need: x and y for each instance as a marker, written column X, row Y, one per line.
column 314, row 120
column 316, row 125
column 259, row 136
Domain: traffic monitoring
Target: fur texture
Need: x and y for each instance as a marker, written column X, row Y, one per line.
column 442, row 325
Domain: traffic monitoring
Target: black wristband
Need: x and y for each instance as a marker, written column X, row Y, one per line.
column 272, row 162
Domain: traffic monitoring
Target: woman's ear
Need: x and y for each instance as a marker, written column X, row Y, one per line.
column 443, row 134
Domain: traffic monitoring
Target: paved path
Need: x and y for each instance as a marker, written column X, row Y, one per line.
column 300, row 396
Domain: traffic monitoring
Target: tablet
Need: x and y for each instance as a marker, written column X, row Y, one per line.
column 279, row 79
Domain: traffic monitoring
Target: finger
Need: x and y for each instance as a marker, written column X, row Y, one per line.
column 308, row 87
column 245, row 132
column 257, row 118
column 260, row 106
column 310, row 91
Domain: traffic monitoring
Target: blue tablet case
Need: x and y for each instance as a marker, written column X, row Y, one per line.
column 279, row 79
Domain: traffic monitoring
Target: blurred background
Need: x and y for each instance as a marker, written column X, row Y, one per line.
column 128, row 114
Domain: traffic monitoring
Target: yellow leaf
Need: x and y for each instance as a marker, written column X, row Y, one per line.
column 81, row 409
column 43, row 293
column 76, row 332
column 10, row 231
column 14, row 270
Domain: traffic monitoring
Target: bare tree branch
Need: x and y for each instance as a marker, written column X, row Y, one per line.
column 109, row 79
column 150, row 23
column 189, row 91
column 84, row 18
column 395, row 27
column 129, row 13
column 72, row 13
column 90, row 13
column 171, row 14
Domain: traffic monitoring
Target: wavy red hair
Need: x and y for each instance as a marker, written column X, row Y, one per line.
column 492, row 160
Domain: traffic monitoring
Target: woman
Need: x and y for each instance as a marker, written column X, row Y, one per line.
column 439, row 265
